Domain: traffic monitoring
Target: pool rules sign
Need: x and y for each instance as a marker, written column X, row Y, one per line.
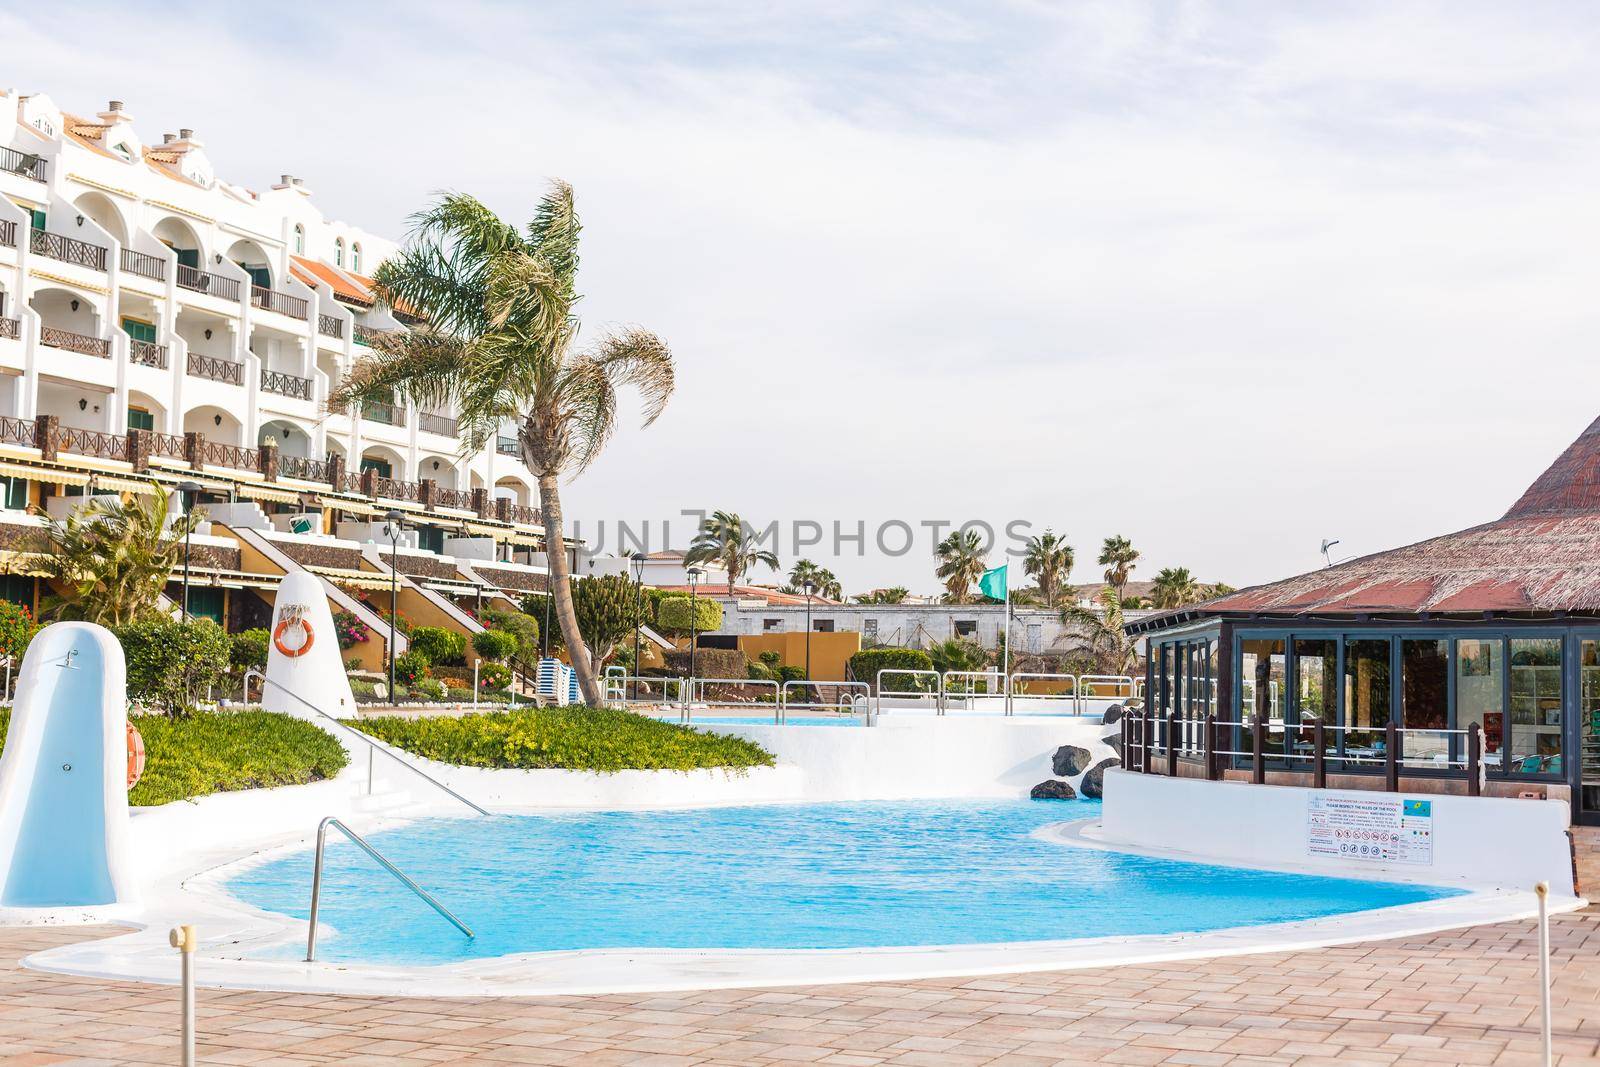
column 1382, row 829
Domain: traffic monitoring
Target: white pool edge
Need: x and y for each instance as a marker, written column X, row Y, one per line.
column 228, row 925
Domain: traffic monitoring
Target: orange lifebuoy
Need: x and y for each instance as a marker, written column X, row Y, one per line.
column 135, row 756
column 305, row 646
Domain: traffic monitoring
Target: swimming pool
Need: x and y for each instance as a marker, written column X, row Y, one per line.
column 765, row 720
column 812, row 876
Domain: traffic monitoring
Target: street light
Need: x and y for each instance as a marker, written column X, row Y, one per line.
column 810, row 587
column 694, row 621
column 394, row 519
column 189, row 491
column 638, row 616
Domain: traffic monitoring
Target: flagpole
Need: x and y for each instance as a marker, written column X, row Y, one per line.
column 1005, row 661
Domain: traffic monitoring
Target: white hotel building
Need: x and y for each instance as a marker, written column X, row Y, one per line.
column 159, row 321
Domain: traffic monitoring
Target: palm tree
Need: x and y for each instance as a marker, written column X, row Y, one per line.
column 1048, row 559
column 1174, row 587
column 894, row 594
column 725, row 539
column 822, row 580
column 109, row 561
column 1118, row 556
column 960, row 564
column 1100, row 629
column 498, row 341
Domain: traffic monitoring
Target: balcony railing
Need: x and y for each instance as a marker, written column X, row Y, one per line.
column 92, row 443
column 443, row 425
column 15, row 431
column 507, row 446
column 80, row 343
column 452, row 498
column 146, row 266
column 236, row 456
column 23, row 163
column 395, row 489
column 365, row 335
column 307, row 470
column 524, row 514
column 200, row 281
column 282, row 303
column 330, row 325
column 216, row 368
column 148, row 354
column 170, row 445
column 8, row 233
column 11, row 328
column 276, row 381
column 68, row 249
column 377, row 411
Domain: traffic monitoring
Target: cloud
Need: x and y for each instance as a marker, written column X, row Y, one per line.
column 1226, row 281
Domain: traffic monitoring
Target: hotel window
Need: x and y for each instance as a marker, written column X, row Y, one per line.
column 338, row 252
column 769, row 625
column 140, row 419
column 15, row 492
column 139, row 330
column 355, row 257
column 1534, row 746
column 1481, row 693
column 299, row 240
column 1367, row 699
column 1262, row 664
column 37, row 218
column 1425, row 702
column 1316, row 683
column 373, row 463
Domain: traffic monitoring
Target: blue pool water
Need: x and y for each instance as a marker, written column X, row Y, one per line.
column 773, row 876
column 765, row 720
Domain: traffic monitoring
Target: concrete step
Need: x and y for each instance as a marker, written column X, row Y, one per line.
column 382, row 800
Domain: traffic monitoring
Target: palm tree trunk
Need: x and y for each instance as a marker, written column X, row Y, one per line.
column 555, row 554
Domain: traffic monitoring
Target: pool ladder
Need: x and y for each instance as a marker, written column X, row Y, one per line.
column 382, row 861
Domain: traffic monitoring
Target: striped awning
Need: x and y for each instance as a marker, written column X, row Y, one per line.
column 262, row 492
column 44, row 474
column 357, row 579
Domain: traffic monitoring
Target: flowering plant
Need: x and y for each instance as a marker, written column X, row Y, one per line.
column 350, row 630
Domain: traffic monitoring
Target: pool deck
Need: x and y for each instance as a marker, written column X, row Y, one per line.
column 1461, row 997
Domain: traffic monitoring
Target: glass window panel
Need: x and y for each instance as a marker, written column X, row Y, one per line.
column 1589, row 725
column 1261, row 688
column 1534, row 746
column 1480, row 694
column 1316, row 690
column 1425, row 703
column 1366, row 701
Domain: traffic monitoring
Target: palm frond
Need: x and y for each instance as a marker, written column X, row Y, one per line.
column 638, row 358
column 553, row 235
column 425, row 366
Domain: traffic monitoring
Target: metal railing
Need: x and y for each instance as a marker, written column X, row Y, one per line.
column 68, row 249
column 284, row 384
column 80, row 343
column 144, row 265
column 443, row 425
column 378, row 411
column 10, row 328
column 284, row 304
column 330, row 325
column 365, row 335
column 624, row 688
column 1051, row 679
column 200, row 281
column 148, row 354
column 8, row 233
column 696, row 694
column 507, row 446
column 372, row 743
column 838, row 703
column 24, row 163
column 216, row 368
column 378, row 857
column 937, row 692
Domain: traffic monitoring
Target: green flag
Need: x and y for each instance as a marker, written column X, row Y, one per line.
column 993, row 583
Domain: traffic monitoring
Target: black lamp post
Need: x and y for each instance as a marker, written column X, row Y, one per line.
column 694, row 624
column 638, row 615
column 394, row 519
column 189, row 491
column 809, row 588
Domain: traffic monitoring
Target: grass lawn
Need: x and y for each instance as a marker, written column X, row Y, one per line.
column 218, row 752
column 573, row 739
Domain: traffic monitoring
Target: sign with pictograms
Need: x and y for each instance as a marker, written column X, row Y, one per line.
column 1381, row 828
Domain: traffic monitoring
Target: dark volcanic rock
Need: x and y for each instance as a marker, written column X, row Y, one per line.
column 1051, row 789
column 1070, row 760
column 1114, row 743
column 1091, row 785
column 1113, row 714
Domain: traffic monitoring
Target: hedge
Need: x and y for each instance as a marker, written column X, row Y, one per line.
column 709, row 663
column 865, row 665
column 440, row 645
column 495, row 645
column 673, row 615
column 172, row 664
column 220, row 752
column 579, row 739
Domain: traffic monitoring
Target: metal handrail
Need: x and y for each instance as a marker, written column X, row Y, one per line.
column 696, row 691
column 1011, row 689
column 837, row 704
column 358, row 840
column 880, row 692
column 374, row 745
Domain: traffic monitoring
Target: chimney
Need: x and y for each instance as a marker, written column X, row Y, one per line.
column 168, row 138
column 115, row 105
column 185, row 135
column 288, row 179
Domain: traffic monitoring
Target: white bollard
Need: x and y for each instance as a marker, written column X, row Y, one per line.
column 182, row 938
column 1543, row 892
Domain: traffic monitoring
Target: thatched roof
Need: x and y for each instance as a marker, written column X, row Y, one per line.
column 1542, row 556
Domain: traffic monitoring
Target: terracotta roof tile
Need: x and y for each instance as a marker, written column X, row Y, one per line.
column 344, row 284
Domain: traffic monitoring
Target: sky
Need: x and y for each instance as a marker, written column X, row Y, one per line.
column 1225, row 279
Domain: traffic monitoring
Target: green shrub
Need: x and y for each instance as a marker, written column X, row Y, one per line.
column 758, row 672
column 672, row 615
column 492, row 676
column 410, row 666
column 708, row 663
column 440, row 645
column 565, row 738
column 865, row 665
column 525, row 628
column 429, row 689
column 172, row 664
column 497, row 646
column 222, row 751
column 247, row 650
column 17, row 628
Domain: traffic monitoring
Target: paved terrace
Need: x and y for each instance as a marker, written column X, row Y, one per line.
column 1466, row 997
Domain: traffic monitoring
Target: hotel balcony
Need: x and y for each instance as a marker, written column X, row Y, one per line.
column 81, row 343
column 271, row 300
column 200, row 281
column 443, row 425
column 28, row 166
column 146, row 266
column 147, row 354
column 216, row 369
column 68, row 249
column 10, row 329
column 276, row 381
column 365, row 335
column 8, row 233
column 330, row 325
column 387, row 414
column 507, row 446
